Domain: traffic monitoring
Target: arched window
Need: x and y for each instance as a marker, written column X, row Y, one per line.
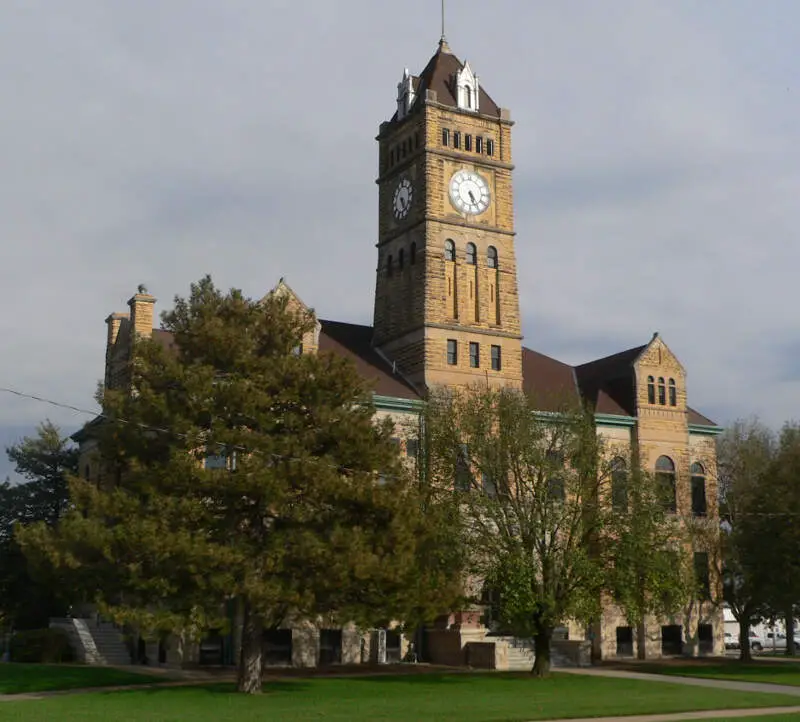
column 698, row 476
column 472, row 254
column 673, row 393
column 665, row 479
column 468, row 96
column 400, row 259
column 412, row 254
column 449, row 250
column 389, row 268
column 491, row 257
column 619, row 484
column 662, row 391
column 651, row 390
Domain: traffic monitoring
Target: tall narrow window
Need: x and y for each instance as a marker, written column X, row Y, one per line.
column 673, row 393
column 474, row 355
column 489, row 146
column 497, row 361
column 400, row 259
column 698, row 479
column 452, row 352
column 449, row 250
column 468, row 97
column 651, row 390
column 662, row 391
column 478, row 144
column 389, row 268
column 665, row 478
column 491, row 257
column 472, row 254
column 467, row 142
column 463, row 480
column 619, row 484
column 445, row 137
column 456, row 139
column 416, row 140
column 412, row 254
column 702, row 577
column 488, row 485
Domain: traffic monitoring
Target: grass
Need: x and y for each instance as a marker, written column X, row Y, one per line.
column 406, row 698
column 763, row 671
column 16, row 678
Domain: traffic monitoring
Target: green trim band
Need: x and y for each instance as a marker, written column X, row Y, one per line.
column 707, row 430
column 394, row 403
column 614, row 420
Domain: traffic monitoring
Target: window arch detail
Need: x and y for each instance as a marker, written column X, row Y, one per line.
column 698, row 483
column 665, row 480
column 662, row 391
column 651, row 390
column 472, row 254
column 491, row 257
column 673, row 393
column 449, row 250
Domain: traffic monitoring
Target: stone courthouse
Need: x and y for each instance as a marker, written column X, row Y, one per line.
column 447, row 312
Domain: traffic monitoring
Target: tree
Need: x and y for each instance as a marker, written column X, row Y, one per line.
column 312, row 513
column 536, row 509
column 45, row 461
column 745, row 453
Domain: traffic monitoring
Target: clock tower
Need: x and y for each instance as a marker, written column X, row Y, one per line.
column 446, row 299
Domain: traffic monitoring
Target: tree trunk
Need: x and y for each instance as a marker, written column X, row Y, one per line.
column 789, row 620
column 641, row 641
column 744, row 639
column 541, row 663
column 250, row 657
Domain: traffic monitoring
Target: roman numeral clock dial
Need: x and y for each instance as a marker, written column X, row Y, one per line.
column 403, row 195
column 469, row 192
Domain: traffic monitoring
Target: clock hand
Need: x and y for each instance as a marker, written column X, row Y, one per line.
column 471, row 196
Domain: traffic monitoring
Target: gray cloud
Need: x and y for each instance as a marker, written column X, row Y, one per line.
column 656, row 149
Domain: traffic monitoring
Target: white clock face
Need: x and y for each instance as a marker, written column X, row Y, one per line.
column 403, row 195
column 469, row 192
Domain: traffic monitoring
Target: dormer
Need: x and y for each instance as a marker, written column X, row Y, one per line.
column 467, row 89
column 310, row 343
column 405, row 95
column 661, row 378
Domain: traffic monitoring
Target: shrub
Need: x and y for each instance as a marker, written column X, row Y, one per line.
column 41, row 645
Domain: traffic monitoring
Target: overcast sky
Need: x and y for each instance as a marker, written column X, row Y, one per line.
column 657, row 182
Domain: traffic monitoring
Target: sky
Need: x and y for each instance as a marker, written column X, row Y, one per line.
column 657, row 153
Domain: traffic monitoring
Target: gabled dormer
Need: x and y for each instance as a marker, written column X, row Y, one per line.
column 405, row 95
column 295, row 304
column 660, row 378
column 467, row 89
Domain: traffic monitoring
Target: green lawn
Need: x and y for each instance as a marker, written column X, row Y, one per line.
column 16, row 678
column 787, row 673
column 435, row 697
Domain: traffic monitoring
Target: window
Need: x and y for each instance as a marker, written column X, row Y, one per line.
column 449, row 250
column 701, row 575
column 452, row 351
column 698, row 479
column 416, row 140
column 389, row 266
column 705, row 636
column 467, row 142
column 478, row 144
column 412, row 254
column 672, row 640
column 665, row 479
column 412, row 448
column 400, row 259
column 489, row 146
column 456, row 139
column 467, row 97
column 298, row 350
column 491, row 257
column 651, row 390
column 624, row 641
column 216, row 461
column 555, row 489
column 662, row 391
column 463, row 474
column 673, row 393
column 474, row 355
column 472, row 254
column 445, row 137
column 497, row 361
column 391, row 157
column 619, row 484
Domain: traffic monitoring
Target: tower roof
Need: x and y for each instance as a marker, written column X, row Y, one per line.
column 439, row 76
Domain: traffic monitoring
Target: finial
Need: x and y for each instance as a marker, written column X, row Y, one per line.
column 442, row 40
column 141, row 288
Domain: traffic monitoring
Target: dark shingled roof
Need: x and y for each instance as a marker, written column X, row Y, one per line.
column 355, row 342
column 550, row 382
column 609, row 383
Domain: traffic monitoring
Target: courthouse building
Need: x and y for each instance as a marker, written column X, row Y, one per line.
column 446, row 312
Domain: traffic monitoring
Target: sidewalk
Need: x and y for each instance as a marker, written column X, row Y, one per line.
column 677, row 716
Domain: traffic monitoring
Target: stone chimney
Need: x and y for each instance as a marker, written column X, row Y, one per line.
column 114, row 324
column 142, row 307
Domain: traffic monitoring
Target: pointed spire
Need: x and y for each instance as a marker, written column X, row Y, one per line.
column 443, row 46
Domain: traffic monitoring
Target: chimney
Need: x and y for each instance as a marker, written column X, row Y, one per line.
column 114, row 324
column 142, row 305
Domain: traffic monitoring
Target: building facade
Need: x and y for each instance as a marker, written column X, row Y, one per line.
column 446, row 313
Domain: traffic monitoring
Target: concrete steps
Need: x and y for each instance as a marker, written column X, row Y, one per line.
column 95, row 643
column 521, row 654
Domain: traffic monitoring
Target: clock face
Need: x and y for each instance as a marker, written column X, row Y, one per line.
column 469, row 192
column 403, row 195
